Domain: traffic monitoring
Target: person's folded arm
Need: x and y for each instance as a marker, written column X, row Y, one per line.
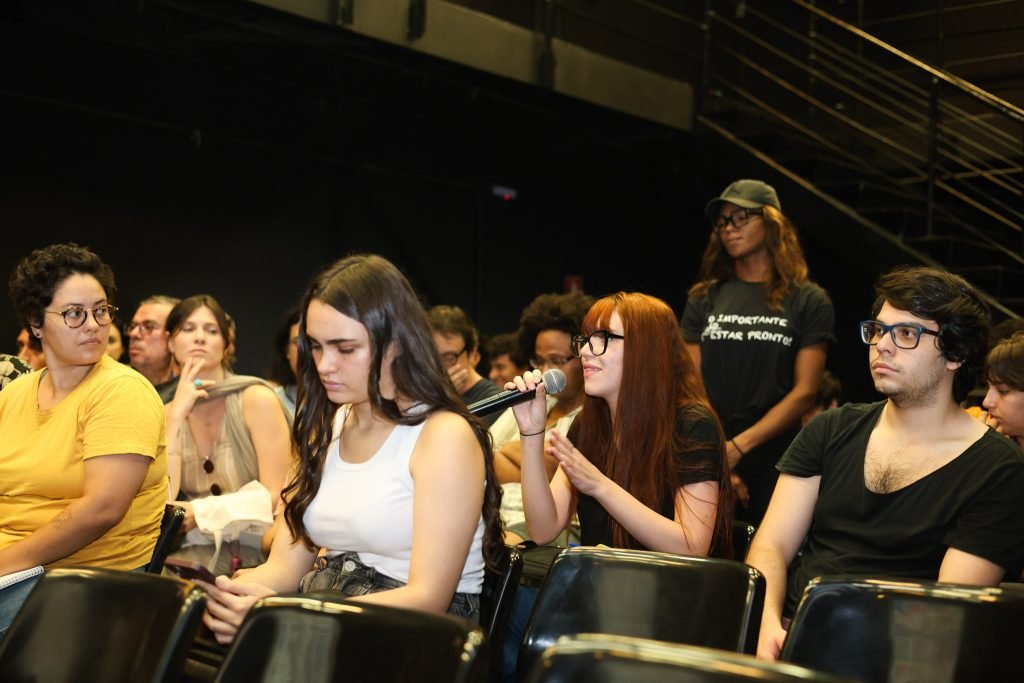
column 110, row 484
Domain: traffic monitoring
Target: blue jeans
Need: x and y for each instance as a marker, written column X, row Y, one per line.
column 345, row 574
column 515, row 629
column 11, row 599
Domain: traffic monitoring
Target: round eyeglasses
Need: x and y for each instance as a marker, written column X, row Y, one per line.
column 904, row 335
column 739, row 218
column 597, row 341
column 450, row 358
column 76, row 316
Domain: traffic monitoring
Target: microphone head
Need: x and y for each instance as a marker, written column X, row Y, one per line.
column 554, row 380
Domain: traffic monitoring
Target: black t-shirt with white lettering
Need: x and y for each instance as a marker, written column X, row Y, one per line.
column 748, row 357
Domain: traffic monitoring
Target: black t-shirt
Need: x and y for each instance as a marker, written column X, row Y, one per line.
column 972, row 503
column 748, row 351
column 694, row 425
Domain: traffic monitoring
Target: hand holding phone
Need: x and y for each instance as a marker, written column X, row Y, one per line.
column 190, row 570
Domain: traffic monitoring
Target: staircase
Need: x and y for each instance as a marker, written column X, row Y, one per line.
column 929, row 165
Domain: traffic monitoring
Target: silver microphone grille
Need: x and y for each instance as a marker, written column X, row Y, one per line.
column 554, row 381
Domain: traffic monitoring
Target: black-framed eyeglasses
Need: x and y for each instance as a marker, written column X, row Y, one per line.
column 450, row 358
column 904, row 335
column 145, row 327
column 540, row 363
column 76, row 316
column 738, row 218
column 597, row 341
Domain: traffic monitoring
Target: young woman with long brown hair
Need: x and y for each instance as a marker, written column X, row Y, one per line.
column 758, row 329
column 643, row 464
column 391, row 462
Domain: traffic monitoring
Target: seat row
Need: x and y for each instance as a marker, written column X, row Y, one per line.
column 601, row 615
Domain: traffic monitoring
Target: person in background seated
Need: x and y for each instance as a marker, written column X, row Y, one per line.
column 391, row 462
column 458, row 343
column 911, row 486
column 505, row 358
column 115, row 347
column 643, row 464
column 11, row 368
column 147, row 344
column 33, row 357
column 223, row 430
column 284, row 369
column 758, row 329
column 1004, row 400
column 83, row 453
column 829, row 394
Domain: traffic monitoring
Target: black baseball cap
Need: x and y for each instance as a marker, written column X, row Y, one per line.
column 748, row 194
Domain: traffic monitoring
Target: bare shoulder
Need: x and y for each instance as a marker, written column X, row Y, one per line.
column 447, row 437
column 259, row 395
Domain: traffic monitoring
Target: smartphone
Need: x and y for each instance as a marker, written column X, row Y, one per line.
column 189, row 569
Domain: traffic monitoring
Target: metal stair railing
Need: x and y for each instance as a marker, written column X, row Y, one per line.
column 953, row 150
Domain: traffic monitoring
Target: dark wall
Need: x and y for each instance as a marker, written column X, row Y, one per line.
column 199, row 156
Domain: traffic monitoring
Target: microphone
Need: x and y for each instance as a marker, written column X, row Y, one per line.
column 554, row 381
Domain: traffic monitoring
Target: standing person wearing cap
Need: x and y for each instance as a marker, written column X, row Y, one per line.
column 758, row 329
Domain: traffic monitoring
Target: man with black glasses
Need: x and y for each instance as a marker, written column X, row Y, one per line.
column 911, row 486
column 146, row 336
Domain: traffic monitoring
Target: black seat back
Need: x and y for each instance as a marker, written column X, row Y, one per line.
column 881, row 630
column 102, row 625
column 593, row 658
column 660, row 596
column 170, row 525
column 320, row 638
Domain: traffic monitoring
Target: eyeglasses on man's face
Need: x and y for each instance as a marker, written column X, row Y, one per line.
column 145, row 327
column 76, row 316
column 739, row 218
column 539, row 362
column 597, row 341
column 450, row 358
column 904, row 335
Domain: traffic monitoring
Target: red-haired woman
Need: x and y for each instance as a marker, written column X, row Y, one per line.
column 758, row 329
column 643, row 464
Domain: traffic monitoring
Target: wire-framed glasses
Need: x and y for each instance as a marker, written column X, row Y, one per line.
column 904, row 335
column 597, row 341
column 145, row 327
column 738, row 218
column 76, row 316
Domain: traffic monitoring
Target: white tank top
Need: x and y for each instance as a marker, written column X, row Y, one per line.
column 367, row 508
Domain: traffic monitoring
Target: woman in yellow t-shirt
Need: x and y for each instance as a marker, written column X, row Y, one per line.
column 83, row 454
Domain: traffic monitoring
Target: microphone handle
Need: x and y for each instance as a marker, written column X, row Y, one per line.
column 500, row 401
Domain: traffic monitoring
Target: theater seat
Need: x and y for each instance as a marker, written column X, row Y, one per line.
column 882, row 630
column 317, row 638
column 102, row 625
column 661, row 596
column 593, row 658
column 170, row 525
column 496, row 598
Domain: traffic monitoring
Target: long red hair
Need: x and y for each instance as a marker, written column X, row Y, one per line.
column 639, row 450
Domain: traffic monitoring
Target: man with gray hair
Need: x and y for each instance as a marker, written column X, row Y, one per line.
column 147, row 342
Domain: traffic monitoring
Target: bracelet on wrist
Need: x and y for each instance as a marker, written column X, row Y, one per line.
column 532, row 433
column 737, row 447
